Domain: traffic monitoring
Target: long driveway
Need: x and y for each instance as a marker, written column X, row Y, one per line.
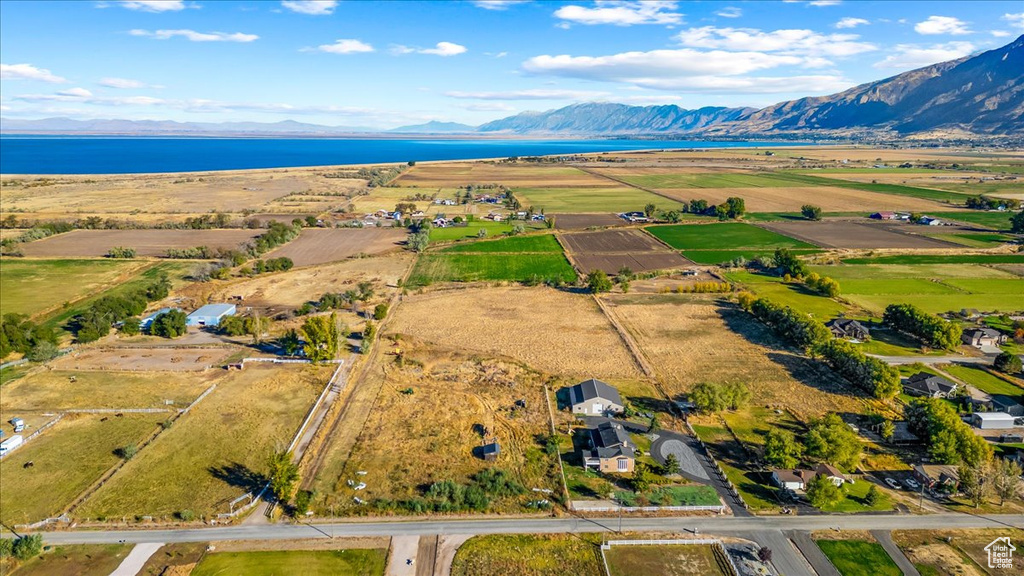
column 705, row 524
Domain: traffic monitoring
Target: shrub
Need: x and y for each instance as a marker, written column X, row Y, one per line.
column 380, row 311
column 27, row 546
column 45, row 350
column 185, row 515
column 169, row 324
column 1008, row 363
column 121, row 252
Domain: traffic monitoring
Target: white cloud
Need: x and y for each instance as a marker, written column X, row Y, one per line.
column 910, row 56
column 822, row 3
column 789, row 42
column 194, row 36
column 311, row 7
column 531, row 94
column 622, row 13
column 1000, row 33
column 75, row 92
column 849, row 22
column 487, row 107
column 1015, row 20
column 441, row 49
column 730, row 12
column 83, row 96
column 153, row 5
column 942, row 25
column 345, row 46
column 497, row 4
column 28, row 72
column 124, row 83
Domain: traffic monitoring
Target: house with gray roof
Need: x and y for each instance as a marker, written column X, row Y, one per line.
column 929, row 385
column 611, row 449
column 846, row 328
column 594, row 398
column 983, row 337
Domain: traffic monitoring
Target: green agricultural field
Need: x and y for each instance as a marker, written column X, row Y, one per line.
column 859, row 558
column 976, row 239
column 356, row 562
column 440, row 267
column 67, row 459
column 710, row 180
column 513, row 244
column 792, row 294
column 712, row 257
column 723, row 236
column 554, row 555
column 940, row 259
column 76, row 560
column 36, row 286
column 983, row 380
column 571, row 200
column 897, row 189
column 471, row 229
column 785, row 216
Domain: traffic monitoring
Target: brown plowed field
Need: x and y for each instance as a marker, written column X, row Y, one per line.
column 96, row 243
column 322, row 245
column 845, row 234
column 581, row 221
column 641, row 262
column 611, row 241
column 612, row 250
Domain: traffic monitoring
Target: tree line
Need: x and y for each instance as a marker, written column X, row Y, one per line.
column 929, row 329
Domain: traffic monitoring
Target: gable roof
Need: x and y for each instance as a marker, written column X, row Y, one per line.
column 592, row 389
column 610, row 441
column 829, row 471
column 846, row 326
column 929, row 383
column 986, row 332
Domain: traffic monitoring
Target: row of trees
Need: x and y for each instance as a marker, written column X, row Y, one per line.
column 822, row 284
column 871, row 374
column 708, row 397
column 19, row 334
column 986, row 203
column 95, row 322
column 828, row 440
column 929, row 329
column 796, row 327
column 949, row 439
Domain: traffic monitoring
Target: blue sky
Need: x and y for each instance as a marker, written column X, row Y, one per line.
column 386, row 64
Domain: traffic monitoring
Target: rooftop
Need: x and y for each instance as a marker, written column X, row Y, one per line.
column 214, row 310
column 594, row 388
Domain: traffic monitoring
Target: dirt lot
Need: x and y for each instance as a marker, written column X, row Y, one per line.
column 434, row 433
column 578, row 341
column 96, row 243
column 690, row 339
column 848, row 234
column 960, row 552
column 612, row 250
column 143, row 359
column 320, row 246
column 581, row 221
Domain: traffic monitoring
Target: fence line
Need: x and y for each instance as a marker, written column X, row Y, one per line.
column 116, row 410
column 718, row 509
column 316, row 405
column 38, row 431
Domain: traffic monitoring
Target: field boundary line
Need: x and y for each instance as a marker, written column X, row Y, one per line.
column 624, row 183
column 558, row 453
column 627, row 339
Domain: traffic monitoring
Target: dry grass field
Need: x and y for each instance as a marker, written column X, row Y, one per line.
column 548, row 330
column 216, row 452
column 960, row 552
column 677, row 560
column 143, row 359
column 154, row 243
column 453, row 175
column 582, row 221
column 49, row 390
column 323, row 245
column 434, row 432
column 89, row 442
column 848, row 234
column 691, row 339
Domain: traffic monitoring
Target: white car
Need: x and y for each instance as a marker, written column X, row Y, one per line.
column 912, row 484
column 892, row 483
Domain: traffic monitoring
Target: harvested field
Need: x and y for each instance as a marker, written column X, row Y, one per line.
column 216, row 452
column 581, row 221
column 153, row 243
column 434, row 433
column 66, row 459
column 611, row 250
column 691, row 339
column 509, row 322
column 320, row 246
column 456, row 174
column 590, row 199
column 54, row 390
column 847, row 234
column 143, row 359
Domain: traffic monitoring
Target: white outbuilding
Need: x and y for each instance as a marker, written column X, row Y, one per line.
column 992, row 420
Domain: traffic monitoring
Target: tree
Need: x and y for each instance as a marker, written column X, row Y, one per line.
column 232, row 326
column 887, row 430
column 671, row 465
column 822, row 492
column 1017, row 223
column 764, row 554
column 1008, row 363
column 641, row 480
column 43, row 351
column 781, row 448
column 649, row 210
column 419, row 241
column 707, row 398
column 130, row 327
column 283, row 475
column 290, row 342
column 873, row 496
column 831, row 440
column 1005, row 479
column 27, row 546
column 380, row 311
column 598, row 281
column 811, row 212
column 322, row 337
column 169, row 324
column 973, row 484
column 736, row 395
column 735, row 207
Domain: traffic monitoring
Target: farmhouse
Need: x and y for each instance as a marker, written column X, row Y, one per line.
column 611, row 449
column 148, row 320
column 797, row 480
column 846, row 328
column 929, row 385
column 594, row 398
column 935, row 476
column 210, row 314
column 992, row 420
column 983, row 337
column 930, row 221
column 884, row 215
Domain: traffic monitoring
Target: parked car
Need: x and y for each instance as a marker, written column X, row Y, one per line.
column 892, row 483
column 18, row 423
column 912, row 484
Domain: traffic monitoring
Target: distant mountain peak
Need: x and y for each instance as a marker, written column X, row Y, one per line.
column 435, row 127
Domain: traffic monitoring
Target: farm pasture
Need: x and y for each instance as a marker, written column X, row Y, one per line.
column 509, row 321
column 147, row 243
column 470, row 267
column 323, row 245
column 613, row 249
column 590, row 199
column 218, row 450
column 458, row 174
column 53, row 390
column 33, row 287
column 471, row 230
column 850, row 234
column 792, row 294
column 66, row 459
column 143, row 359
column 723, row 236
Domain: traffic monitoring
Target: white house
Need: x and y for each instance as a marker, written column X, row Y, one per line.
column 594, row 398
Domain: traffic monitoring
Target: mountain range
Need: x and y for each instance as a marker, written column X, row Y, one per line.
column 982, row 94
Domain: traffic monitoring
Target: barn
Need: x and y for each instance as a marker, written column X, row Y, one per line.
column 211, row 314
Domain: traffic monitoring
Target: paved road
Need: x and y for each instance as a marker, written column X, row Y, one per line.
column 705, row 524
column 821, row 564
column 898, row 360
column 403, row 550
column 785, row 557
column 884, row 538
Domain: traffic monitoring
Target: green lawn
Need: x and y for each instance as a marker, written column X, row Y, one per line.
column 859, row 558
column 723, row 236
column 33, row 286
column 995, row 220
column 513, row 244
column 581, row 199
column 983, row 380
column 854, row 499
column 792, row 294
column 438, row 267
column 359, row 562
column 471, row 229
column 758, row 495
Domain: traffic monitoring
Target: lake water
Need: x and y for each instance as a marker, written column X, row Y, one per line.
column 131, row 155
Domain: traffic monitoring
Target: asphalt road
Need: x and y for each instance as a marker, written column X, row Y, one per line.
column 705, row 524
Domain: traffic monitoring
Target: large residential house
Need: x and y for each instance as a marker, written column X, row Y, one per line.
column 936, row 476
column 594, row 398
column 983, row 337
column 846, row 328
column 929, row 385
column 611, row 450
column 797, row 480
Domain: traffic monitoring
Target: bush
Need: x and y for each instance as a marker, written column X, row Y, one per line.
column 380, row 311
column 130, row 326
column 27, row 546
column 169, row 324
column 45, row 350
column 598, row 281
column 121, row 252
column 185, row 515
column 6, row 547
column 1008, row 363
column 128, row 451
column 811, row 212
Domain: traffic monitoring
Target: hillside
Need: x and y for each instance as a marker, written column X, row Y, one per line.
column 609, row 118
